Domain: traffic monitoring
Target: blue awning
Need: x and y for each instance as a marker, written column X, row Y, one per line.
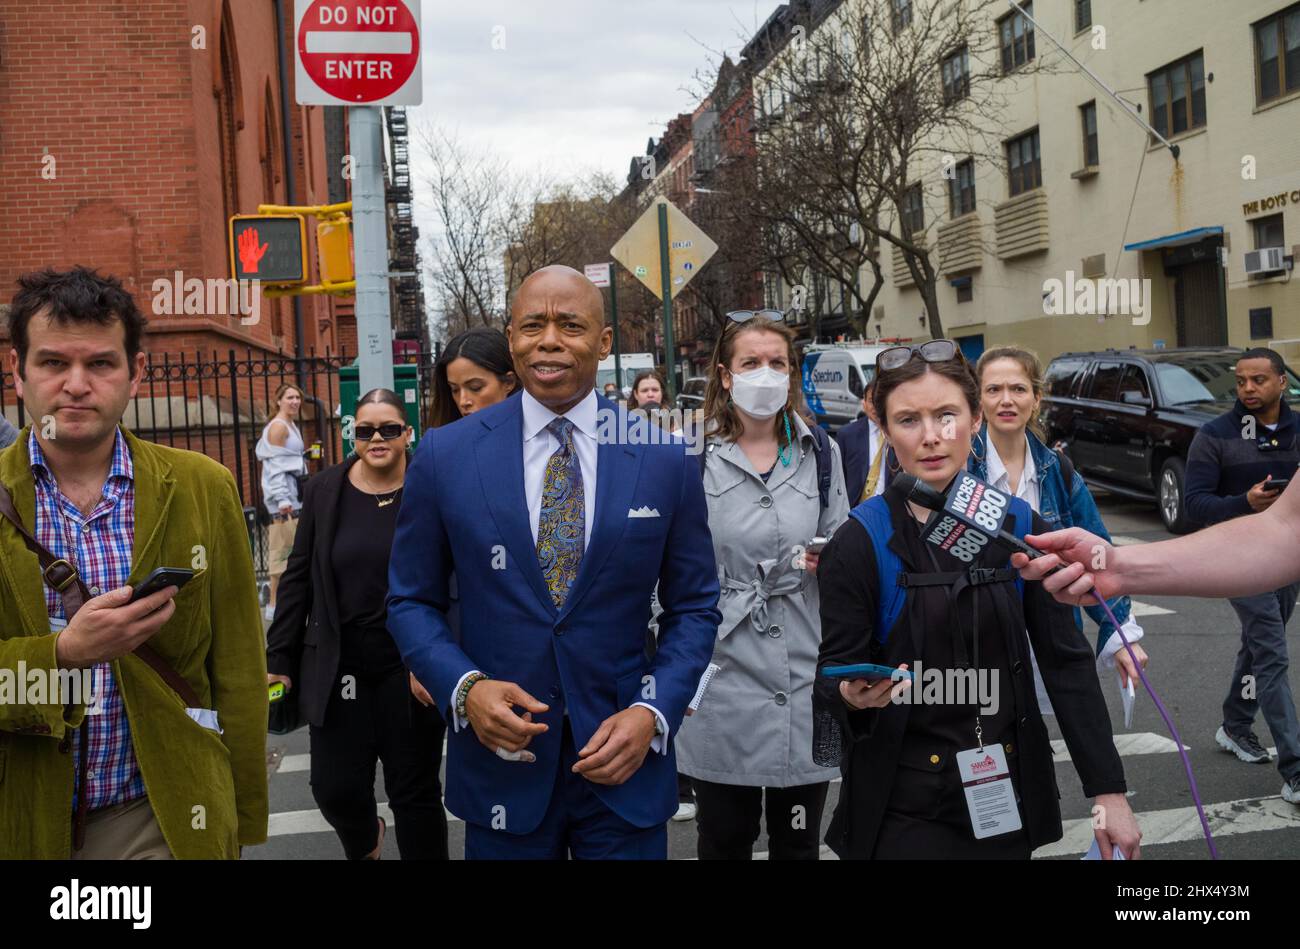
column 1174, row 240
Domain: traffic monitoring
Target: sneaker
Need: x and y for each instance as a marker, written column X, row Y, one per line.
column 685, row 811
column 1245, row 746
column 1291, row 790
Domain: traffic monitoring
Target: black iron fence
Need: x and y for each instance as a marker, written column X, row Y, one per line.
column 218, row 406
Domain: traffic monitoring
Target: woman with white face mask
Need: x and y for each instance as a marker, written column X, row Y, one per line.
column 772, row 484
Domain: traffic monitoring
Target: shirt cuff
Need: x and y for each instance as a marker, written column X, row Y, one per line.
column 458, row 721
column 1132, row 632
column 659, row 743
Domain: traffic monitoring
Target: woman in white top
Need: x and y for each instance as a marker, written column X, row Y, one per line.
column 280, row 450
column 1010, row 454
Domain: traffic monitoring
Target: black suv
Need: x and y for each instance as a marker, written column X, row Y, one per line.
column 1127, row 416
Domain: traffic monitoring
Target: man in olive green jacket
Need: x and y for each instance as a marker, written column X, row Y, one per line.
column 207, row 789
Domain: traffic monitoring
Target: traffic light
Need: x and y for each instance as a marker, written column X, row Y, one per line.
column 271, row 248
column 334, row 251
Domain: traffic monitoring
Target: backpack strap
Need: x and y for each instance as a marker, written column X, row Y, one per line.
column 873, row 514
column 823, row 454
column 1067, row 470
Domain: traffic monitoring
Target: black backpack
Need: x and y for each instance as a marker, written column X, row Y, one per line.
column 822, row 452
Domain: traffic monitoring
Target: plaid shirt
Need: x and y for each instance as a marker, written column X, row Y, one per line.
column 99, row 546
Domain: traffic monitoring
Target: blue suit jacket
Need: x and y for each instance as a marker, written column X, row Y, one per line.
column 464, row 510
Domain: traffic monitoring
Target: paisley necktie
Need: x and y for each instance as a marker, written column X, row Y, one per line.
column 561, row 528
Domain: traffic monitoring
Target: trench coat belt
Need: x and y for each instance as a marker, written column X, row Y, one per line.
column 749, row 597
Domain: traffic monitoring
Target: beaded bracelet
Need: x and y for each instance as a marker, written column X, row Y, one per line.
column 463, row 692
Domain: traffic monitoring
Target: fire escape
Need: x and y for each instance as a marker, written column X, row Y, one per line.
column 408, row 293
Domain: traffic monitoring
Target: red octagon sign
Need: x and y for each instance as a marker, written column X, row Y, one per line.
column 358, row 52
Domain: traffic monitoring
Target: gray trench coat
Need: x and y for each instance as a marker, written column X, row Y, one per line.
column 754, row 724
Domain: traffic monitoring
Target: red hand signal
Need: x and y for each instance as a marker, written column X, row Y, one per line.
column 250, row 253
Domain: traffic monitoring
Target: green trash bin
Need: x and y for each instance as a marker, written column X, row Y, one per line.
column 406, row 383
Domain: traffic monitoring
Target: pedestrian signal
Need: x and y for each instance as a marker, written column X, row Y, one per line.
column 271, row 248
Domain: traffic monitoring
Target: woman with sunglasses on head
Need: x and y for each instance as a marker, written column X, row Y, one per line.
column 958, row 616
column 773, row 484
column 330, row 643
column 1010, row 454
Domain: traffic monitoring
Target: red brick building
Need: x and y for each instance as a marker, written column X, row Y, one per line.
column 130, row 132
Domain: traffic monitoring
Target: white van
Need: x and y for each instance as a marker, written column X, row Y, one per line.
column 834, row 378
column 632, row 363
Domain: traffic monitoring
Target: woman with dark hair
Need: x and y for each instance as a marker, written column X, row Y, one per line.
column 647, row 387
column 473, row 372
column 1010, row 454
column 748, row 747
column 911, row 752
column 330, row 642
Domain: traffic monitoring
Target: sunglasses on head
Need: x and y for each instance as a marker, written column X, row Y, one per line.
column 744, row 316
column 388, row 431
column 936, row 350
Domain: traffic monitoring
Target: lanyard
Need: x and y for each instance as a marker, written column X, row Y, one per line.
column 959, row 644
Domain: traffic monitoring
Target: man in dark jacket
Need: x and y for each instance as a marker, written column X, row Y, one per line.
column 863, row 450
column 1230, row 469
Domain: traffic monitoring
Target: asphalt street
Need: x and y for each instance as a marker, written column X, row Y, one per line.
column 1192, row 644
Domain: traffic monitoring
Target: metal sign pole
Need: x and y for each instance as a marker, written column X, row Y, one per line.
column 370, row 240
column 613, row 318
column 666, row 280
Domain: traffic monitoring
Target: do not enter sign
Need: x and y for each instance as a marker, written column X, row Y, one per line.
column 358, row 52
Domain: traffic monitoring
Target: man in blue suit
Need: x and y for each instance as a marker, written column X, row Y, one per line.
column 558, row 515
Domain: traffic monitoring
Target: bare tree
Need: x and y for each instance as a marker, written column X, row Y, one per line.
column 863, row 120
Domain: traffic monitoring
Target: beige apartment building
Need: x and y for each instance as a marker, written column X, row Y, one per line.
column 1082, row 192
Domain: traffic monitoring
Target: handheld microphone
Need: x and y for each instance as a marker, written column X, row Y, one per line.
column 971, row 514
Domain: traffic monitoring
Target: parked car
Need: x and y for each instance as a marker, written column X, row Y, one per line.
column 834, row 378
column 692, row 395
column 1127, row 417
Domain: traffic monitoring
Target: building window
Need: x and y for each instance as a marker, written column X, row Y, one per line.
column 1277, row 54
column 1261, row 323
column 956, row 76
column 1178, row 96
column 961, row 189
column 1024, row 167
column 1082, row 15
column 965, row 289
column 1091, row 151
column 901, row 14
column 913, row 211
column 1268, row 233
column 1016, row 38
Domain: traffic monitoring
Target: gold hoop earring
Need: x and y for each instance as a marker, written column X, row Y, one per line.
column 893, row 469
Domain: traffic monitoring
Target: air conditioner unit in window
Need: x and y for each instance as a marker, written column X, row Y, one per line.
column 1265, row 260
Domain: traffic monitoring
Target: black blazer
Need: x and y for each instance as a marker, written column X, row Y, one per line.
column 876, row 742
column 303, row 642
column 855, row 451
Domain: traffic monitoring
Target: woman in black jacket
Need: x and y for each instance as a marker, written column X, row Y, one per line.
column 330, row 641
column 903, row 750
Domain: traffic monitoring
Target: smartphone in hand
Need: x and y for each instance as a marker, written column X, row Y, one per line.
column 161, row 579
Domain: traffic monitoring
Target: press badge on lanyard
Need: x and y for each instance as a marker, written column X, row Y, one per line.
column 991, row 799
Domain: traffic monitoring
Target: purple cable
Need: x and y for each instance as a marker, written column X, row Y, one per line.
column 1169, row 722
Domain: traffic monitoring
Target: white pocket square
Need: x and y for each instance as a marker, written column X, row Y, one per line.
column 642, row 512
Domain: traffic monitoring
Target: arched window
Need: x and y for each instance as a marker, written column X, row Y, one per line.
column 229, row 114
column 270, row 151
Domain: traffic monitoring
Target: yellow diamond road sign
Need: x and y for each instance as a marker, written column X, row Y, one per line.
column 689, row 249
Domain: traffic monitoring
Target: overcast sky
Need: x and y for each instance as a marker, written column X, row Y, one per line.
column 580, row 84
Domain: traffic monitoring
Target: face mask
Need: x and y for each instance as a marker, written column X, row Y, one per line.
column 761, row 392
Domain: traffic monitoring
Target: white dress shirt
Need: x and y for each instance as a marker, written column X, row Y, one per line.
column 1027, row 489
column 538, row 446
column 876, row 439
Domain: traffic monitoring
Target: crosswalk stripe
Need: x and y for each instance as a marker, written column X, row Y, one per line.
column 1227, row 818
column 1119, row 540
column 1148, row 609
column 1129, row 743
column 290, row 823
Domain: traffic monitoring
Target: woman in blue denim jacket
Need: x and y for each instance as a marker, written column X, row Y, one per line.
column 1009, row 453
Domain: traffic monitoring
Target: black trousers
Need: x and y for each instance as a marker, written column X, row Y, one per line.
column 728, row 820
column 382, row 723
